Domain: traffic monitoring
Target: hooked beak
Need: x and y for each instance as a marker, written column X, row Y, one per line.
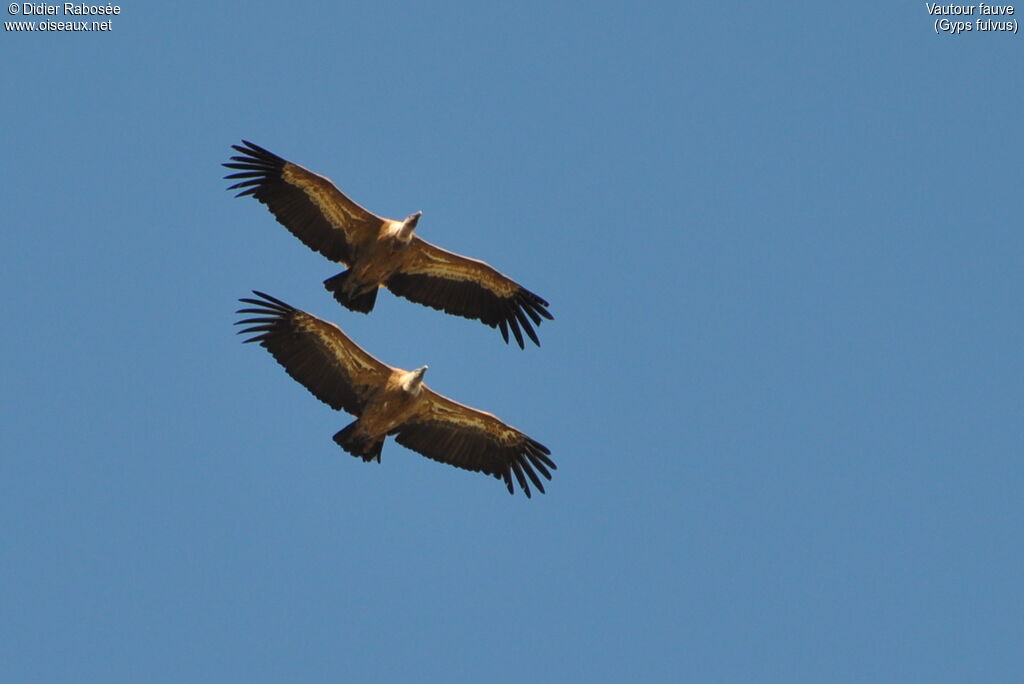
column 408, row 225
column 417, row 378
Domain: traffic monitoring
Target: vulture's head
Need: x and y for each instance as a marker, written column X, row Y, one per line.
column 409, row 225
column 413, row 380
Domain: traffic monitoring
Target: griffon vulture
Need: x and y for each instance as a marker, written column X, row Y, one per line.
column 390, row 401
column 380, row 251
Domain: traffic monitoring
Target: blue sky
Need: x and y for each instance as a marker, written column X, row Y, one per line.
column 782, row 243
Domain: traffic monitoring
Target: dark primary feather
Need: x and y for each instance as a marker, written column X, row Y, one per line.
column 301, row 350
column 479, row 451
column 260, row 174
column 471, row 299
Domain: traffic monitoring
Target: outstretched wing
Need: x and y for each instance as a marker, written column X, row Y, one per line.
column 315, row 353
column 306, row 203
column 450, row 432
column 467, row 287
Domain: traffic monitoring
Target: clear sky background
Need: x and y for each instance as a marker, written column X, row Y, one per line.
column 782, row 243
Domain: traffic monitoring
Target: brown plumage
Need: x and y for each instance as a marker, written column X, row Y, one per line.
column 390, row 401
column 380, row 251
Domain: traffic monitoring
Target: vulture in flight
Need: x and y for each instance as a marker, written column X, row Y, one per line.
column 390, row 401
column 380, row 251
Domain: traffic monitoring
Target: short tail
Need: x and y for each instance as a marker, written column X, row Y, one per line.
column 359, row 445
column 362, row 303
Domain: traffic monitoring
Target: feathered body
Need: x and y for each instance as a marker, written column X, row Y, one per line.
column 390, row 401
column 382, row 252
